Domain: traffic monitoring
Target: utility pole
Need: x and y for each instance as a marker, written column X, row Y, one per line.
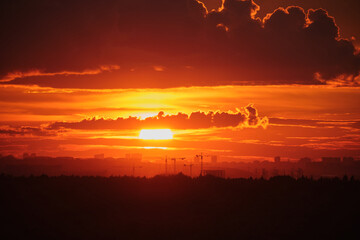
column 202, row 162
column 174, row 159
column 133, row 170
column 190, row 165
column 166, row 165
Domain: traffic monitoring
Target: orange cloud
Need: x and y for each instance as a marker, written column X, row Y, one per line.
column 247, row 118
column 159, row 68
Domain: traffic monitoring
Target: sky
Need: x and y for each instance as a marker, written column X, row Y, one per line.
column 244, row 80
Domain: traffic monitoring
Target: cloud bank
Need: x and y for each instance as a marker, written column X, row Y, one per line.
column 26, row 131
column 63, row 43
column 246, row 118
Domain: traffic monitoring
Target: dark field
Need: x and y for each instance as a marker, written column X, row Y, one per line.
column 178, row 207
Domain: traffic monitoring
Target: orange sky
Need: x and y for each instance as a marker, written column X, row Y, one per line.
column 303, row 121
column 83, row 78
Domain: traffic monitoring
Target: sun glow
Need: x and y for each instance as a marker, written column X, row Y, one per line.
column 156, row 134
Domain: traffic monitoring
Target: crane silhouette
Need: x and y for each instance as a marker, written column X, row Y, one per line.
column 174, row 159
column 201, row 161
column 133, row 169
column 190, row 166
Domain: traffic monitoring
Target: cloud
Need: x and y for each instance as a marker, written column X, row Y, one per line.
column 55, row 43
column 26, row 131
column 37, row 73
column 316, row 124
column 288, row 45
column 246, row 118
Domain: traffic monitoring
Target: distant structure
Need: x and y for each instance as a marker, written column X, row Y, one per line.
column 201, row 156
column 264, row 173
column 133, row 157
column 331, row 160
column 300, row 173
column 277, row 159
column 65, row 158
column 348, row 160
column 275, row 172
column 215, row 173
column 305, row 160
column 174, row 159
column 166, row 165
column 99, row 156
column 27, row 155
column 214, row 159
column 133, row 169
column 190, row 166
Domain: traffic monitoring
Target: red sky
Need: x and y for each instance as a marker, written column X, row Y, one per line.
column 80, row 78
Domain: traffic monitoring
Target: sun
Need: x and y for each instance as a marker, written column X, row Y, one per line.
column 156, row 134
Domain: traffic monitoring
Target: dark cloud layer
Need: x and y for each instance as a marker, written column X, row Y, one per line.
column 26, row 131
column 196, row 120
column 315, row 123
column 161, row 43
column 346, row 12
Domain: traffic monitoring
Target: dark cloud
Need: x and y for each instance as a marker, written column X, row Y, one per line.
column 117, row 43
column 26, row 130
column 196, row 120
column 55, row 35
column 52, row 111
column 313, row 123
column 346, row 12
column 170, row 27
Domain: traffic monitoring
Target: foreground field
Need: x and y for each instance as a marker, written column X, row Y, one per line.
column 178, row 207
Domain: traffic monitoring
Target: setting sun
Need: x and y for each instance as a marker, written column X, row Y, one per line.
column 156, row 134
